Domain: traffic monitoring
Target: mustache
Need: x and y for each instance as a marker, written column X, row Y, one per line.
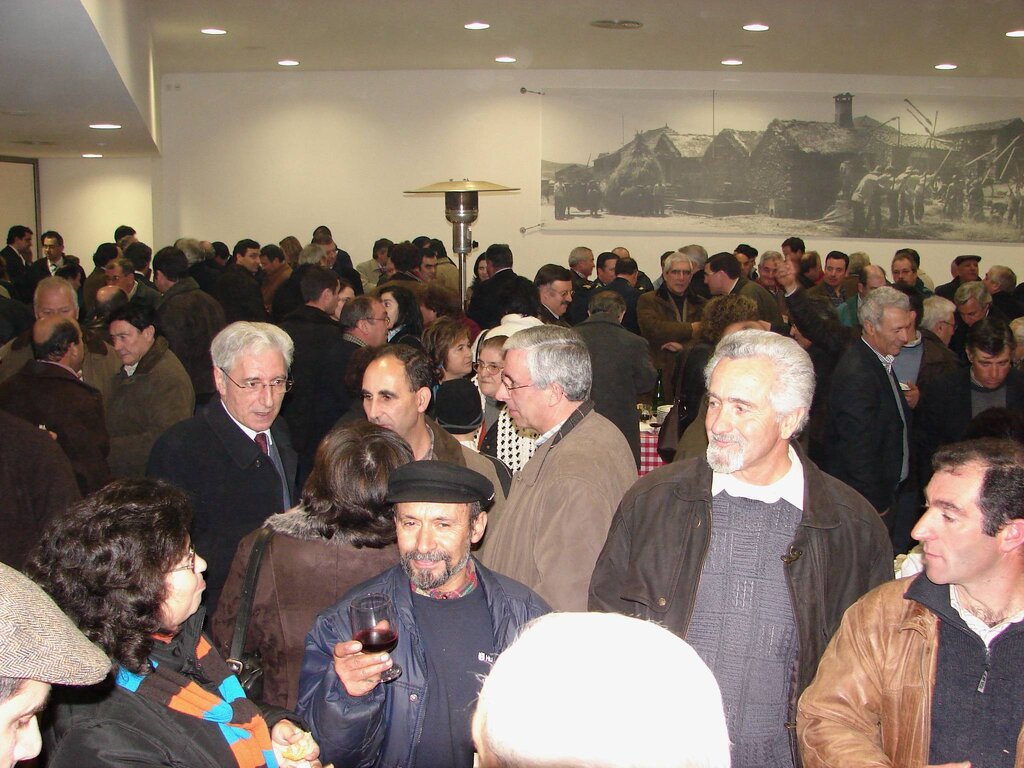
column 431, row 557
column 734, row 439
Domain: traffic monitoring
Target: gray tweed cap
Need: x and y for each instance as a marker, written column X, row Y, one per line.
column 38, row 642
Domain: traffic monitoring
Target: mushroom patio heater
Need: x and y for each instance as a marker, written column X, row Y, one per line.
column 461, row 205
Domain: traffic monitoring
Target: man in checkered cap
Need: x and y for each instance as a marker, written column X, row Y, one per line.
column 39, row 646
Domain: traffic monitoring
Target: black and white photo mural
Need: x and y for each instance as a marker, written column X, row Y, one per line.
column 851, row 165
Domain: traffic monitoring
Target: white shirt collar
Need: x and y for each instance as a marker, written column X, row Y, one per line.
column 976, row 625
column 550, row 433
column 789, row 487
column 250, row 433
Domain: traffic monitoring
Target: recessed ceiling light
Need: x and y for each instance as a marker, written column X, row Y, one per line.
column 477, row 25
column 506, row 59
column 945, row 66
column 616, row 24
column 105, row 126
column 1015, row 33
column 732, row 62
column 756, row 27
column 91, row 155
column 213, row 31
column 288, row 63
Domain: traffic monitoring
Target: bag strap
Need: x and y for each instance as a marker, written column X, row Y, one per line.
column 252, row 571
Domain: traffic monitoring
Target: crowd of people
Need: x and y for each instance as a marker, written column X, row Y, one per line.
column 212, row 454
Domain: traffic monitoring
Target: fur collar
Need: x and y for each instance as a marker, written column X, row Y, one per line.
column 299, row 524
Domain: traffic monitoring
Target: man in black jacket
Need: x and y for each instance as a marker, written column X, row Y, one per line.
column 234, row 458
column 318, row 398
column 750, row 542
column 484, row 307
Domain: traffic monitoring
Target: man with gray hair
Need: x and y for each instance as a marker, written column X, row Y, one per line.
column 1000, row 281
column 868, row 430
column 669, row 317
column 750, row 541
column 973, row 304
column 562, row 500
column 939, row 318
column 39, row 647
column 234, row 458
column 536, row 711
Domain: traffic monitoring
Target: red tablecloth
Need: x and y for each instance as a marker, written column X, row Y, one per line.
column 649, row 458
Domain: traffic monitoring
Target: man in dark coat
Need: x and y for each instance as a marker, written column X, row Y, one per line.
column 867, row 435
column 234, row 458
column 965, row 270
column 237, row 290
column 17, row 256
column 621, row 364
column 484, row 307
column 626, row 284
column 318, row 398
column 36, row 483
column 189, row 318
column 49, row 393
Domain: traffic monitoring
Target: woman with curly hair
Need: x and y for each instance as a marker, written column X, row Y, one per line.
column 446, row 342
column 121, row 566
column 405, row 323
column 341, row 533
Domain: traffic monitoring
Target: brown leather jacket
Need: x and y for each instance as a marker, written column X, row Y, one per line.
column 870, row 704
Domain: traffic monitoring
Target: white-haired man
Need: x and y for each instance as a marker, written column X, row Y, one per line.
column 561, row 502
column 751, row 553
column 234, row 458
column 535, row 710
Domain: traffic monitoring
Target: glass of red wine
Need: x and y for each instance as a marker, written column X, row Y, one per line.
column 374, row 625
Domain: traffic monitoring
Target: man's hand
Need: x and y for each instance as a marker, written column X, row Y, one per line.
column 911, row 393
column 286, row 733
column 786, row 277
column 359, row 672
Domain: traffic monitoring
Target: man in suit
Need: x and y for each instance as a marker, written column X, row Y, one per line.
column 622, row 367
column 373, row 269
column 234, row 458
column 17, row 256
column 867, row 434
column 484, row 307
column 237, row 289
column 722, row 275
column 121, row 272
column 48, row 392
column 581, row 267
column 991, row 381
column 626, row 284
column 54, row 259
column 554, row 289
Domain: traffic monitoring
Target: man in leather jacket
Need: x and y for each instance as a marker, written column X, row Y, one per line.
column 927, row 670
column 453, row 619
column 752, row 553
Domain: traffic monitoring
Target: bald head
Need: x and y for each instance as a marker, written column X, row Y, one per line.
column 57, row 339
column 109, row 298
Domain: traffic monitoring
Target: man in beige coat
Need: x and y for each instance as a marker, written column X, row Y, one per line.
column 561, row 503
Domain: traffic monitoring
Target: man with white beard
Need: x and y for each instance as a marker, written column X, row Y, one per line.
column 771, row 550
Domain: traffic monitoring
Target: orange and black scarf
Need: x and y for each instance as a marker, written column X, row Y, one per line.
column 240, row 721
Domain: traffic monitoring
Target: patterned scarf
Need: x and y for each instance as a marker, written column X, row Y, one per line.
column 240, row 722
column 439, row 594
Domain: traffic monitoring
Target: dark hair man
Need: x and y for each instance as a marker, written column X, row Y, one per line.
column 554, row 289
column 189, row 319
column 914, row 657
column 723, row 276
column 237, row 289
column 729, row 515
column 837, row 265
column 485, row 307
column 747, row 257
column 17, row 256
column 455, row 616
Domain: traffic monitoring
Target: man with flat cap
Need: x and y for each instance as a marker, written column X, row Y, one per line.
column 454, row 617
column 39, row 647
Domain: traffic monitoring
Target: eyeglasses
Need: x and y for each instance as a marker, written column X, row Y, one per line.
column 377, row 319
column 511, row 386
column 191, row 565
column 276, row 386
column 491, row 368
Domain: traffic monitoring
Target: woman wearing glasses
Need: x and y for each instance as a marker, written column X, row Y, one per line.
column 121, row 565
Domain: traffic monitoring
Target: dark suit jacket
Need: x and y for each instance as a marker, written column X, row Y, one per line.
column 318, row 398
column 189, row 319
column 16, row 269
column 945, row 411
column 483, row 307
column 630, row 295
column 622, row 372
column 233, row 487
column 42, row 393
column 864, row 433
column 15, row 318
column 36, row 484
column 239, row 294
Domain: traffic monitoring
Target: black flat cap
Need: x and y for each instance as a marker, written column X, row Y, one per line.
column 438, row 481
column 961, row 259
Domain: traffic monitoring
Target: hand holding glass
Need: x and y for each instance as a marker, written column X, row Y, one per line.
column 375, row 627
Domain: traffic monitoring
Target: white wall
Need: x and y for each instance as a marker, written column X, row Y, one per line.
column 85, row 200
column 265, row 155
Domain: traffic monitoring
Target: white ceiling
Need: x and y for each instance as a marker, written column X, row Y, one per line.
column 56, row 70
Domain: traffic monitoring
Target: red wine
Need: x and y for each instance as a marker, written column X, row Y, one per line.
column 377, row 640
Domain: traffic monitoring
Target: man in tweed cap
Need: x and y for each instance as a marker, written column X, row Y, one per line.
column 39, row 646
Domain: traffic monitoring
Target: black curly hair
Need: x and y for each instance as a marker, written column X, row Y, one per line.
column 106, row 560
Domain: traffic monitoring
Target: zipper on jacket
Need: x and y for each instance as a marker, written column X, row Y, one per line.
column 984, row 673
